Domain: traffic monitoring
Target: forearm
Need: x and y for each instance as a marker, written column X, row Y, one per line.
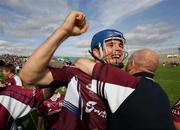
column 35, row 71
column 36, row 66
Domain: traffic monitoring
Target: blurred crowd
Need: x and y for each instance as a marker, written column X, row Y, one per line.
column 16, row 60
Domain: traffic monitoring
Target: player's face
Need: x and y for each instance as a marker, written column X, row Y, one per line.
column 113, row 51
column 5, row 73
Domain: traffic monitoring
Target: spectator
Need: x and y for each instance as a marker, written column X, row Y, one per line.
column 14, row 59
column 2, row 63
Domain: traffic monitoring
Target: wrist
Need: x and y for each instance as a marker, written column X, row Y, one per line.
column 65, row 31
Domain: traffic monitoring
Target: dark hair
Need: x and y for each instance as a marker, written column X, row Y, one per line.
column 2, row 63
column 10, row 67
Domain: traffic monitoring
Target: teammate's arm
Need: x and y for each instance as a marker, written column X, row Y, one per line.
column 86, row 65
column 36, row 71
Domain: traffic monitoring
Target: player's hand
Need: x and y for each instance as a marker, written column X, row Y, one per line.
column 75, row 23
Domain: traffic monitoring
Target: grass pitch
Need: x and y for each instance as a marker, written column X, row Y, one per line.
column 169, row 79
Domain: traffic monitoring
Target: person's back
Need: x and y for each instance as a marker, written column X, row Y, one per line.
column 148, row 105
column 146, row 108
column 16, row 102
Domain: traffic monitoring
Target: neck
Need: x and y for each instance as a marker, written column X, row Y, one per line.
column 144, row 74
column 132, row 71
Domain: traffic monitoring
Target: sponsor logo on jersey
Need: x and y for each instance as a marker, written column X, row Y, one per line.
column 91, row 107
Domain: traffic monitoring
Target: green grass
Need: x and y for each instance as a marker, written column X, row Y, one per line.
column 169, row 79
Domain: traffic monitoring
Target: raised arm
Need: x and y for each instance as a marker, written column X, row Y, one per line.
column 35, row 71
column 86, row 65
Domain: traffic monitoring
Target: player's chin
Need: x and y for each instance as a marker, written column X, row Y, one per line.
column 115, row 61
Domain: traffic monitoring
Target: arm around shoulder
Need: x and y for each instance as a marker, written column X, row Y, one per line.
column 86, row 65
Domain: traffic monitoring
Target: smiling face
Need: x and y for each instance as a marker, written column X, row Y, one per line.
column 107, row 47
column 113, row 51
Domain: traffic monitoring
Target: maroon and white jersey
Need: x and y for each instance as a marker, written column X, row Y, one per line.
column 113, row 84
column 51, row 111
column 13, row 80
column 82, row 109
column 16, row 102
column 175, row 110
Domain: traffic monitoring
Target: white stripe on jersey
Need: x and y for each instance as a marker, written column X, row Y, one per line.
column 16, row 108
column 18, row 80
column 72, row 97
column 94, row 86
column 114, row 94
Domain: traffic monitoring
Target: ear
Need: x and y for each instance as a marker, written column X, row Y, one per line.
column 96, row 52
column 133, row 63
column 131, row 67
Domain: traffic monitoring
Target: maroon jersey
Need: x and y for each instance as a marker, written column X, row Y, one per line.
column 175, row 110
column 82, row 109
column 16, row 102
column 51, row 111
column 13, row 80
